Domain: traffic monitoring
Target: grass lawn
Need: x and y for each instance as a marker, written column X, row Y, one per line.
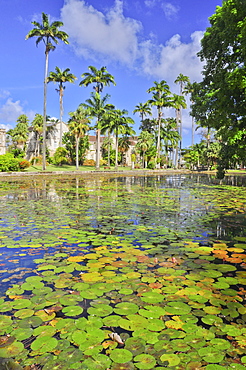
column 51, row 167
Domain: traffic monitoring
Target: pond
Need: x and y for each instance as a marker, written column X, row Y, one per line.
column 114, row 272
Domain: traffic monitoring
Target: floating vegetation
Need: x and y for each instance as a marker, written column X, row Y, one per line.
column 132, row 275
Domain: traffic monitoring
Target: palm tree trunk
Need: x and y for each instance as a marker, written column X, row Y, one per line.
column 45, row 100
column 77, row 152
column 61, row 113
column 116, row 149
column 98, row 132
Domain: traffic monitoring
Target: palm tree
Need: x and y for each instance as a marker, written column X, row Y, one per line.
column 78, row 126
column 178, row 104
column 143, row 109
column 145, row 141
column 161, row 98
column 61, row 77
column 37, row 125
column 49, row 34
column 100, row 77
column 97, row 107
column 182, row 81
column 118, row 123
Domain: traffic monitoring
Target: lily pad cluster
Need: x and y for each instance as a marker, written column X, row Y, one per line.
column 123, row 295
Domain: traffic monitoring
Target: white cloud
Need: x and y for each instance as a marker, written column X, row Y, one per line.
column 94, row 34
column 11, row 110
column 170, row 10
column 169, row 60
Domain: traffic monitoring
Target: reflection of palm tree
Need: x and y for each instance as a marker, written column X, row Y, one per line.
column 78, row 126
column 49, row 34
column 61, row 77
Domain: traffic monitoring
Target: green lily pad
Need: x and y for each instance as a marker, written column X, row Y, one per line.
column 12, row 350
column 120, row 356
column 72, row 310
column 152, row 297
column 125, row 308
column 44, row 344
column 172, row 359
column 144, row 361
column 100, row 310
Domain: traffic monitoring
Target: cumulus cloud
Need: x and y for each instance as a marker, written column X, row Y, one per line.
column 94, row 34
column 170, row 10
column 11, row 110
column 175, row 57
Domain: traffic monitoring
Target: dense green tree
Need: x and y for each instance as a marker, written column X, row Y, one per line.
column 219, row 100
column 49, row 34
column 19, row 134
column 61, row 77
column 98, row 107
column 78, row 125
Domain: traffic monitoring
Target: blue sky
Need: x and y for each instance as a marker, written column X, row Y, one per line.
column 139, row 41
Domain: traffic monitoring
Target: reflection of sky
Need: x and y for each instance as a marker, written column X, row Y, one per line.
column 42, row 211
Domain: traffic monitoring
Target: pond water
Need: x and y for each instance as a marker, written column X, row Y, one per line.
column 114, row 272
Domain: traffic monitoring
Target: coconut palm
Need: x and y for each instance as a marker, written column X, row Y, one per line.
column 61, row 77
column 100, row 77
column 49, row 34
column 97, row 107
column 119, row 123
column 37, row 125
column 178, row 102
column 182, row 81
column 145, row 141
column 143, row 109
column 78, row 125
column 161, row 98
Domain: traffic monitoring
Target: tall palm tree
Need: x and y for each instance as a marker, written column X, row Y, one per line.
column 178, row 104
column 161, row 98
column 49, row 34
column 97, row 107
column 61, row 77
column 78, row 125
column 143, row 109
column 182, row 80
column 100, row 77
column 119, row 123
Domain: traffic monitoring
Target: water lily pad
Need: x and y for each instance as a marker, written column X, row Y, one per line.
column 145, row 361
column 72, row 310
column 120, row 356
column 44, row 344
column 152, row 297
column 12, row 350
column 172, row 359
column 125, row 308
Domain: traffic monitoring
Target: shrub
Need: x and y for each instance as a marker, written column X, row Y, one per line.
column 24, row 164
column 60, row 156
column 8, row 163
column 89, row 162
